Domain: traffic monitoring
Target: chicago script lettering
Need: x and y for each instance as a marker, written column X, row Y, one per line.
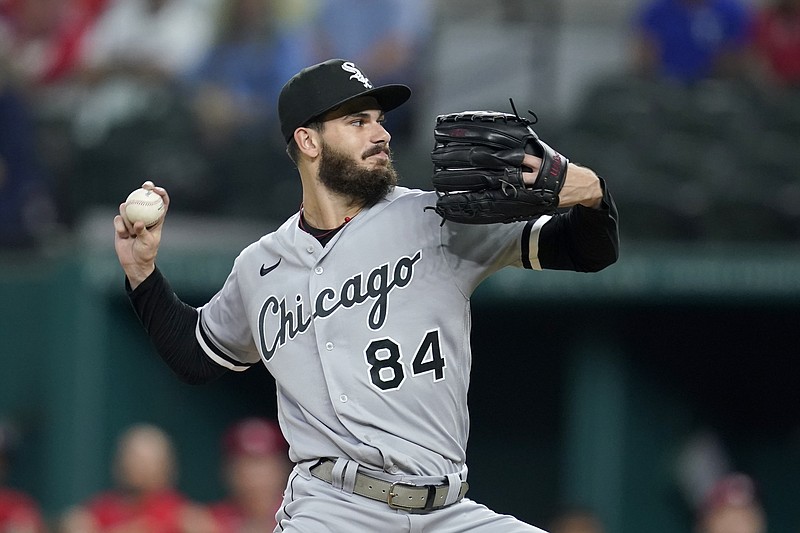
column 279, row 323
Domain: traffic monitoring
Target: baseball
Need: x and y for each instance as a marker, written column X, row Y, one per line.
column 145, row 206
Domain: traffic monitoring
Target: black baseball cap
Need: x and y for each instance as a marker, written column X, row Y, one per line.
column 319, row 88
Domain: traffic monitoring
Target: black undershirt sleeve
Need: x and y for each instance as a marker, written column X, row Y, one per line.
column 581, row 239
column 171, row 323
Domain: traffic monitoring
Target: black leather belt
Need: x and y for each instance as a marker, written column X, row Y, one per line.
column 398, row 494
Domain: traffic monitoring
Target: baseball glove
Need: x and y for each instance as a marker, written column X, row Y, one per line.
column 478, row 169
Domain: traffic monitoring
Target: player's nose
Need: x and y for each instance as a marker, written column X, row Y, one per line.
column 381, row 134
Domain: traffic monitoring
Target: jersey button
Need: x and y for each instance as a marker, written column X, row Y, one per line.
column 394, row 469
column 310, row 249
column 318, row 270
column 329, row 346
column 343, row 398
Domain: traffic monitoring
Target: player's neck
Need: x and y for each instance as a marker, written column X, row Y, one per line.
column 326, row 210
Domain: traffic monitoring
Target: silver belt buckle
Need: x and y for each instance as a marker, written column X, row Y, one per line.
column 390, row 500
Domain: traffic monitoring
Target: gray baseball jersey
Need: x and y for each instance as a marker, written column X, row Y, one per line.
column 368, row 338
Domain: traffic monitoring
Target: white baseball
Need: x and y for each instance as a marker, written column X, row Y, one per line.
column 145, row 206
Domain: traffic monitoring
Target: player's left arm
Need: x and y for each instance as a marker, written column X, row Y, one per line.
column 585, row 238
column 581, row 185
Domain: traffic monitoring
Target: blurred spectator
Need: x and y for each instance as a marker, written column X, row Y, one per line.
column 701, row 462
column 156, row 39
column 27, row 210
column 691, row 40
column 133, row 58
column 19, row 513
column 45, row 36
column 576, row 520
column 776, row 42
column 256, row 467
column 236, row 85
column 144, row 499
column 386, row 38
column 732, row 506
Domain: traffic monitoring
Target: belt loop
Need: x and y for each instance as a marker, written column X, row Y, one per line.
column 453, row 489
column 349, row 478
column 337, row 473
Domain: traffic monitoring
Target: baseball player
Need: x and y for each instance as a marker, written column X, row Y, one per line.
column 359, row 306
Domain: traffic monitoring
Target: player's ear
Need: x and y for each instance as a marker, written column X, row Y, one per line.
column 309, row 141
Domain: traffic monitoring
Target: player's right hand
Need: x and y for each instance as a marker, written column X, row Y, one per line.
column 137, row 246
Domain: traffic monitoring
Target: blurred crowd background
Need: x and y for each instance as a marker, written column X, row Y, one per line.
column 689, row 108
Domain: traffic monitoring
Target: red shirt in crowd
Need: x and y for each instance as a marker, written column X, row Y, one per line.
column 229, row 518
column 777, row 40
column 159, row 512
column 19, row 512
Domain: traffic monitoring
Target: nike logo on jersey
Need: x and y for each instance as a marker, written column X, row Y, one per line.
column 266, row 270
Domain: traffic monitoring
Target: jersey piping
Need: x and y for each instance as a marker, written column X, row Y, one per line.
column 214, row 352
column 530, row 242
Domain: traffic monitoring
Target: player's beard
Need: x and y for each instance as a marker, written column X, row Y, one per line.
column 343, row 174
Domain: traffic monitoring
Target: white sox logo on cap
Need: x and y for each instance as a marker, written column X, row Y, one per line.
column 348, row 66
column 313, row 91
